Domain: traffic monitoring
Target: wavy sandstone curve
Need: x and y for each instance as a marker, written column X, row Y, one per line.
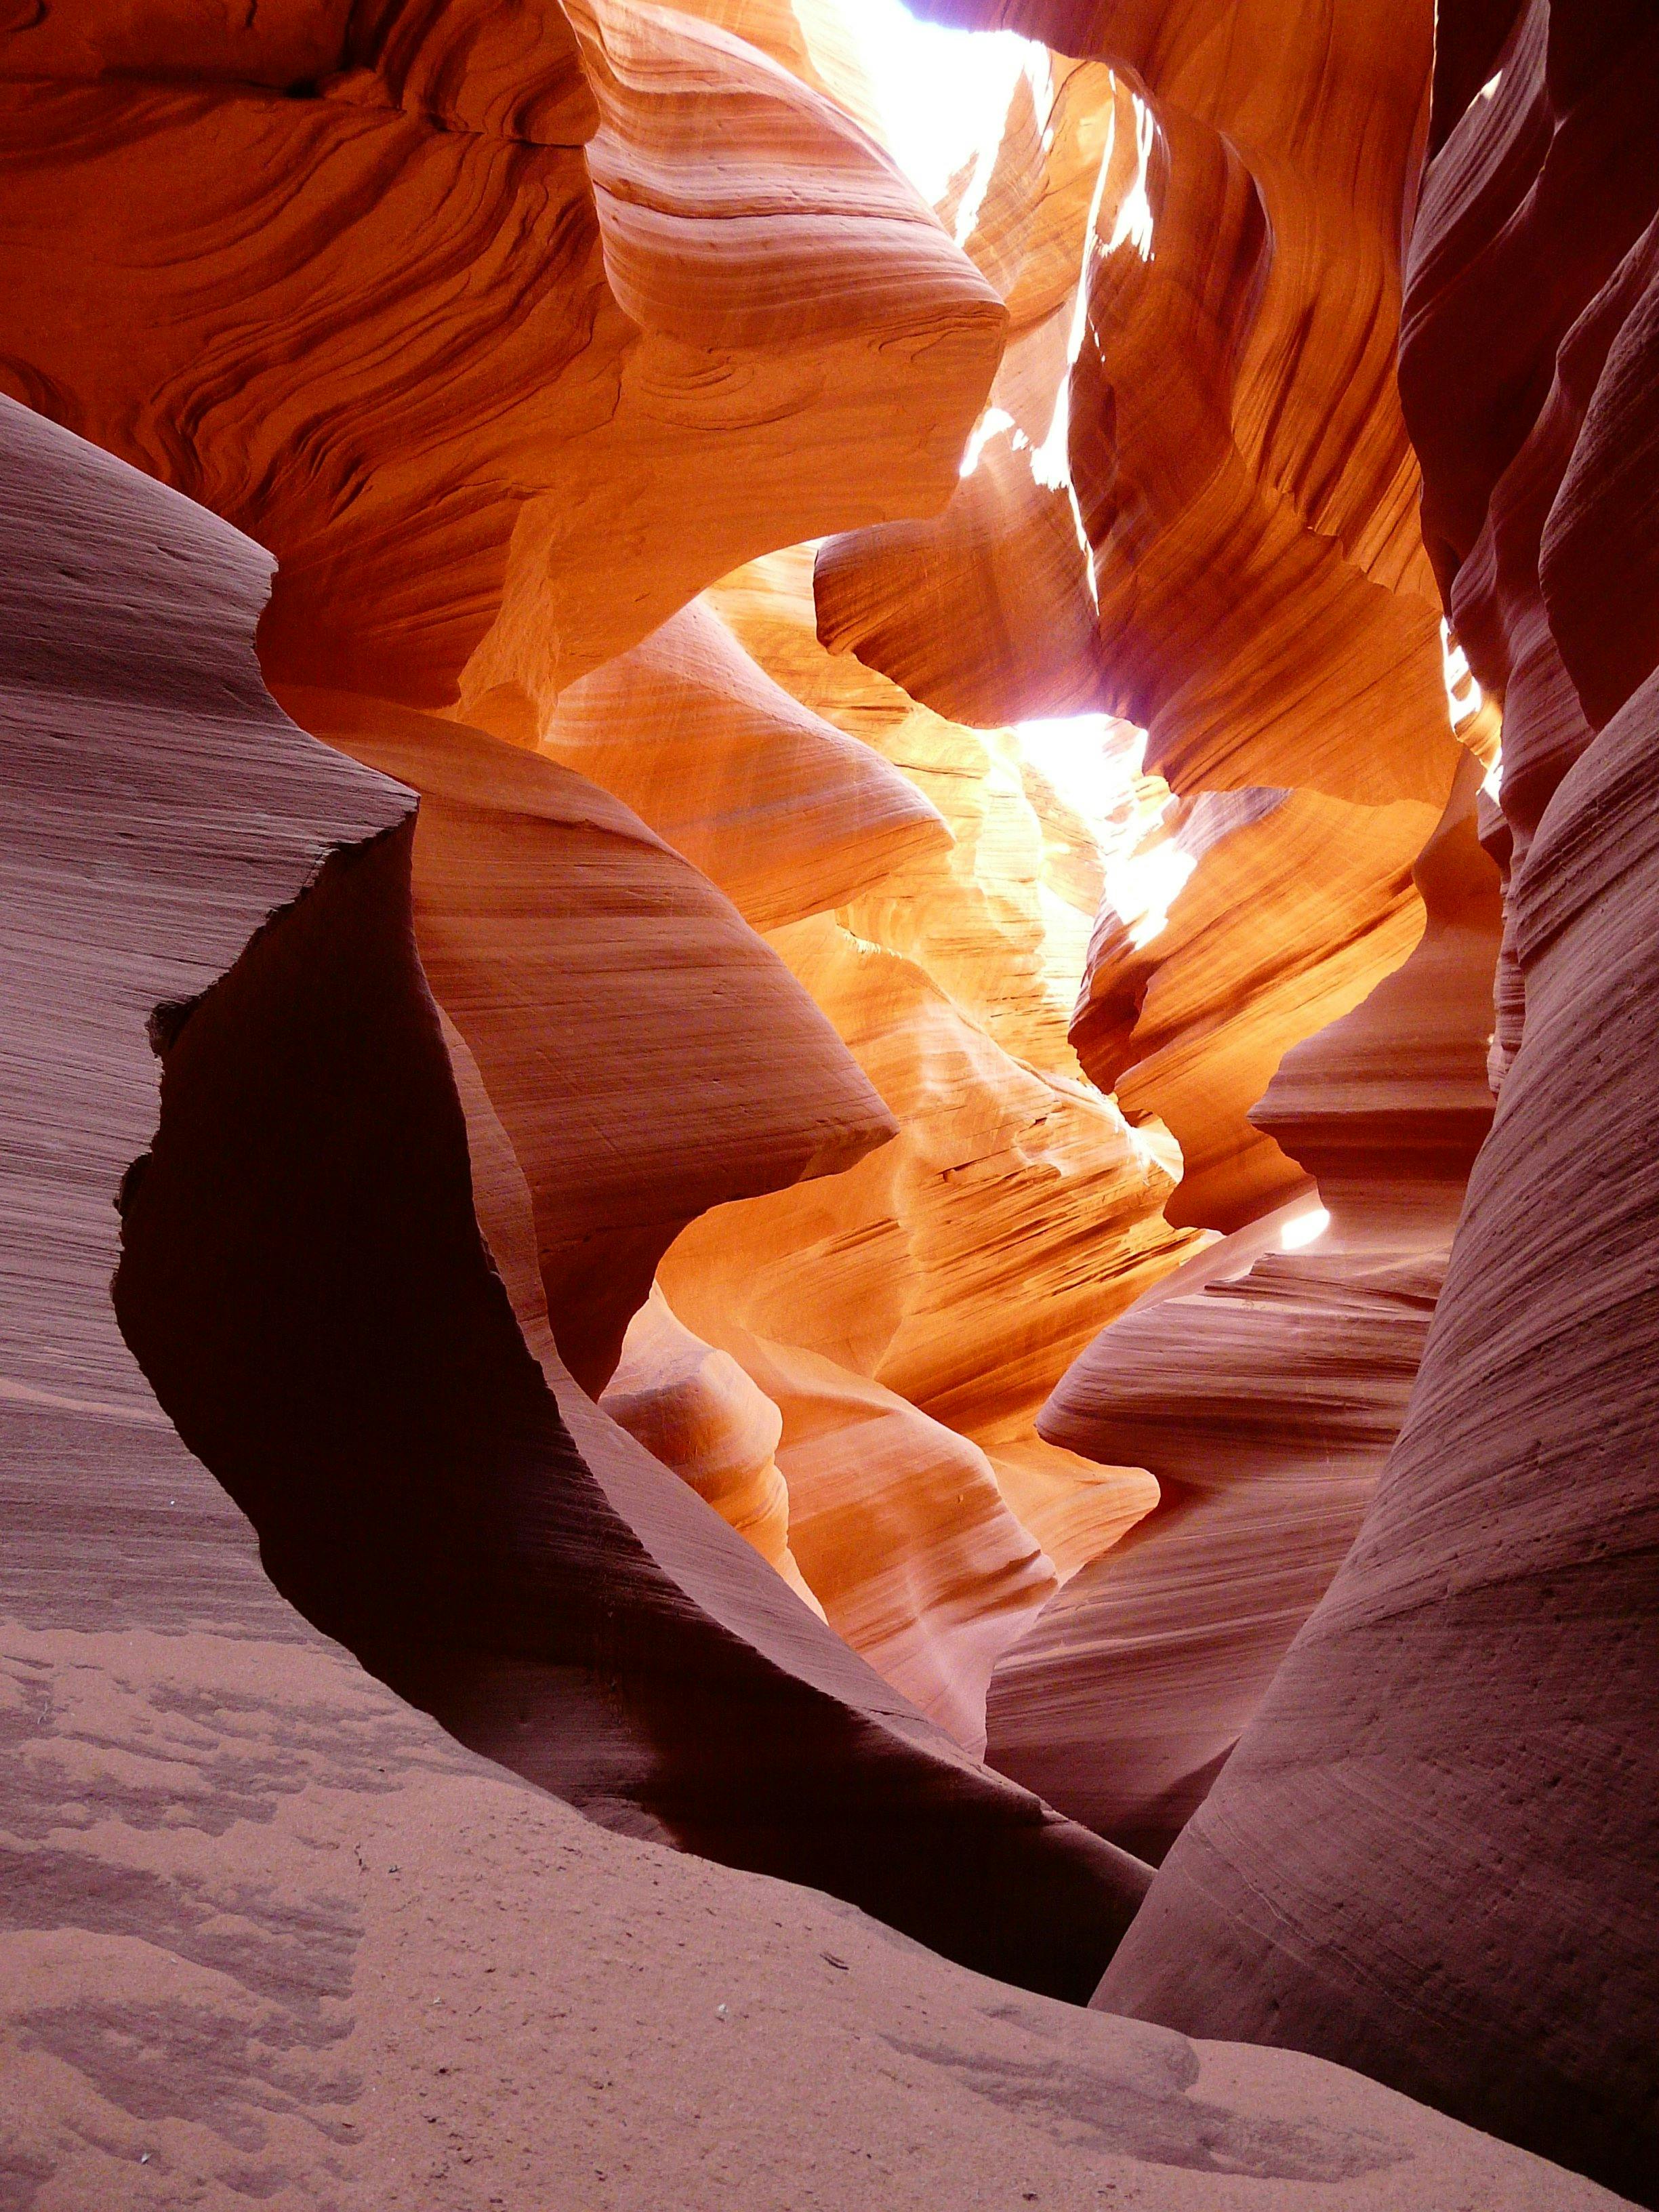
column 302, row 1278
column 1434, row 1850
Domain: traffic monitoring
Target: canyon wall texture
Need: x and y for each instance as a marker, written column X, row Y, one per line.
column 756, row 944
column 304, row 1283
column 1263, row 1384
column 267, row 1931
column 1434, row 1852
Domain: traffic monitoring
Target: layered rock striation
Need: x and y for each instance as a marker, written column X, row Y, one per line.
column 1434, row 1850
column 1263, row 1385
column 303, row 1281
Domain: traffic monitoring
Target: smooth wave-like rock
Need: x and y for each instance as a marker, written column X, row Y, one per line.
column 649, row 1290
column 1435, row 1852
column 266, row 1932
column 696, row 1410
column 954, row 979
column 303, row 1280
column 1297, row 906
column 1222, row 420
column 771, row 802
column 648, row 1054
column 466, row 296
column 1263, row 1385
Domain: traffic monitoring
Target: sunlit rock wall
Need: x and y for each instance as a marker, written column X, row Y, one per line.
column 1435, row 1852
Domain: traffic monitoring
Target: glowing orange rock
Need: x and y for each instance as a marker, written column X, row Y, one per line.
column 615, row 1004
column 1263, row 1384
column 696, row 1410
column 1435, row 1851
column 1295, row 907
column 635, row 266
column 774, row 805
column 1221, row 421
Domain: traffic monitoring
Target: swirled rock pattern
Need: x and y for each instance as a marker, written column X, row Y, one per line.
column 1295, row 905
column 1263, row 1385
column 1223, row 421
column 1435, row 1850
column 593, row 973
column 1190, row 503
column 634, row 1220
column 580, row 337
column 267, row 1931
column 303, row 1280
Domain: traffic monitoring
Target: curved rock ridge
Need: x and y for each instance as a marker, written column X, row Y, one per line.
column 1263, row 1384
column 1220, row 425
column 1190, row 502
column 596, row 977
column 1504, row 199
column 788, row 816
column 881, row 1303
column 1295, row 908
column 302, row 1278
column 1016, row 1190
column 1434, row 1851
column 696, row 1410
column 730, row 287
column 468, row 295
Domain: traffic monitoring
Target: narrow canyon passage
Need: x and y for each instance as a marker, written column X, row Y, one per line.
column 827, row 1255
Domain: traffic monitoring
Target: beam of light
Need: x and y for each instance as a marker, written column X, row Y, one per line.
column 1096, row 765
column 1304, row 1229
column 1464, row 697
column 943, row 94
column 991, row 424
column 1134, row 225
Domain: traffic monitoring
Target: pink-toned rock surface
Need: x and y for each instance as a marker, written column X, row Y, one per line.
column 1434, row 1853
column 788, row 816
column 267, row 1932
column 1263, row 1385
column 648, row 1054
column 303, row 1282
column 654, row 930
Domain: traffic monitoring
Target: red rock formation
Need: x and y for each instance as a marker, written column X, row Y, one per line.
column 473, row 303
column 512, row 330
column 1296, row 905
column 1189, row 504
column 696, row 1410
column 1435, row 1852
column 788, row 816
column 303, row 1280
column 594, row 975
column 1263, row 1385
column 1226, row 425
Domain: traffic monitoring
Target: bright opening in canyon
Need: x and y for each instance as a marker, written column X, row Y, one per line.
column 827, row 1027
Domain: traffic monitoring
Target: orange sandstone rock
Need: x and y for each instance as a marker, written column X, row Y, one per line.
column 648, row 1055
column 1297, row 906
column 1263, row 1385
column 696, row 1410
column 1435, row 1850
column 485, row 296
column 1224, row 422
column 788, row 816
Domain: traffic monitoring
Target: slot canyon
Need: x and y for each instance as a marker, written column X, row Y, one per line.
column 829, row 1263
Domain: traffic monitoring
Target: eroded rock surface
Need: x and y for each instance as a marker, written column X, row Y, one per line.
column 1434, row 1851
column 303, row 1280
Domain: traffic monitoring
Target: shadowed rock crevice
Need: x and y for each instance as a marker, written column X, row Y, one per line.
column 303, row 1280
